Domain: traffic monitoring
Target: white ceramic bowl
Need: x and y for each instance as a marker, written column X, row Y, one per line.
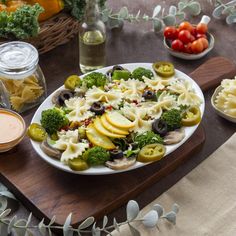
column 188, row 56
column 218, row 111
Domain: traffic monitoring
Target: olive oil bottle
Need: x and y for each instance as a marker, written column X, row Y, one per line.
column 92, row 39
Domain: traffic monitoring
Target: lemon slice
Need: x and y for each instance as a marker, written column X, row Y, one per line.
column 98, row 139
column 118, row 120
column 100, row 128
column 112, row 128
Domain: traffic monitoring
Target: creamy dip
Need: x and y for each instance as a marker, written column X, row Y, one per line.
column 11, row 127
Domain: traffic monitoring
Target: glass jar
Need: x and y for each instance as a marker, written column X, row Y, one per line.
column 22, row 83
column 92, row 39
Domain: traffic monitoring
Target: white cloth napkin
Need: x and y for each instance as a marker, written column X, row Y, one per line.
column 206, row 196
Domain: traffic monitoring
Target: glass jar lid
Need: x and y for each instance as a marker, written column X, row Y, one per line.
column 17, row 59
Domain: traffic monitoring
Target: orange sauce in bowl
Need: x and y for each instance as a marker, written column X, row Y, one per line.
column 11, row 126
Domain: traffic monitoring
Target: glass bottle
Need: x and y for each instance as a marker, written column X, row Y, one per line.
column 22, row 83
column 92, row 38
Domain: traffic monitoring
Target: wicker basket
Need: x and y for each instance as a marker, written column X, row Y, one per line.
column 56, row 31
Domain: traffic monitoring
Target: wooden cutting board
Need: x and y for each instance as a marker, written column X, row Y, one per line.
column 48, row 191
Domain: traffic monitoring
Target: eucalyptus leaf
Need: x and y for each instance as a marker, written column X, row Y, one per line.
column 42, row 228
column 116, row 225
column 114, row 22
column 132, row 210
column 95, row 230
column 11, row 224
column 171, row 217
column 157, row 25
column 7, row 194
column 105, row 14
column 181, row 6
column 228, row 10
column 86, row 223
column 218, row 12
column 66, row 226
column 172, row 10
column 137, row 15
column 2, row 188
column 3, row 203
column 123, row 13
column 159, row 209
column 145, row 17
column 231, row 19
column 22, row 230
column 52, row 221
column 169, row 20
column 180, row 16
column 150, row 219
column 3, row 230
column 194, row 8
column 175, row 208
column 134, row 231
column 156, row 11
column 5, row 213
column 105, row 221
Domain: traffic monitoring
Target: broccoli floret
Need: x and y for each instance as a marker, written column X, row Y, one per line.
column 96, row 156
column 53, row 119
column 140, row 72
column 94, row 79
column 172, row 118
column 146, row 138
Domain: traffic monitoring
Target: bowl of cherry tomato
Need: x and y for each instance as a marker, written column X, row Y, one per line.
column 188, row 41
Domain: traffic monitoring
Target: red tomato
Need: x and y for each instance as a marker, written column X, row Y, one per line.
column 205, row 42
column 198, row 36
column 186, row 26
column 170, row 32
column 192, row 38
column 194, row 31
column 202, row 28
column 177, row 45
column 197, row 46
column 184, row 36
column 187, row 48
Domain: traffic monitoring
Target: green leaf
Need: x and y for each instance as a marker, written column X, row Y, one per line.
column 42, row 227
column 150, row 219
column 7, row 194
column 3, row 203
column 132, row 210
column 114, row 22
column 171, row 217
column 175, row 208
column 218, row 11
column 66, row 226
column 11, row 224
column 157, row 25
column 156, row 11
column 116, row 225
column 159, row 209
column 172, row 10
column 5, row 213
column 20, row 231
column 231, row 19
column 181, row 6
column 194, row 8
column 86, row 223
column 169, row 20
column 105, row 221
column 123, row 13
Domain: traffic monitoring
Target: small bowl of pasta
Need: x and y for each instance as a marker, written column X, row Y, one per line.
column 223, row 99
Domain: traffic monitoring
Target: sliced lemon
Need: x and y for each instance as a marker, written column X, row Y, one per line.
column 118, row 120
column 112, row 128
column 98, row 139
column 100, row 128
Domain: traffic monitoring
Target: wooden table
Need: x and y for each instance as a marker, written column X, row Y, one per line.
column 137, row 43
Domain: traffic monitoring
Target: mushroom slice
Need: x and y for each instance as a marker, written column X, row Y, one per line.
column 49, row 150
column 121, row 164
column 174, row 137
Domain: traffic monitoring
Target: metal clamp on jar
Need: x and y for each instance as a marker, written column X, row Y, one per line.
column 22, row 83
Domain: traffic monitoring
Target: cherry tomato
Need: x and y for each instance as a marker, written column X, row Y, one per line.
column 198, row 36
column 170, row 32
column 177, row 45
column 192, row 38
column 197, row 46
column 205, row 42
column 186, row 26
column 194, row 31
column 202, row 28
column 184, row 36
column 187, row 48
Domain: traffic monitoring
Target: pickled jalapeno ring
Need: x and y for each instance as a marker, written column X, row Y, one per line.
column 72, row 82
column 36, row 132
column 164, row 69
column 192, row 116
column 151, row 152
column 78, row 165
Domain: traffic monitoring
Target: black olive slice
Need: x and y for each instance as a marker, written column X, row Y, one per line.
column 97, row 108
column 159, row 127
column 116, row 154
column 149, row 95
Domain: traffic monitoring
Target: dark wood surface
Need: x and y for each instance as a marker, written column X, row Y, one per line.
column 136, row 43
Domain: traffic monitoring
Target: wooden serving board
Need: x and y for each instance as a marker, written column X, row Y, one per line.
column 48, row 191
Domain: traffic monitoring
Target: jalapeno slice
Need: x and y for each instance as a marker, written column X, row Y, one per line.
column 72, row 82
column 36, row 132
column 192, row 116
column 78, row 165
column 164, row 69
column 151, row 152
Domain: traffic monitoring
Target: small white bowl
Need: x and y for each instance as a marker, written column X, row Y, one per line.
column 188, row 56
column 218, row 111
